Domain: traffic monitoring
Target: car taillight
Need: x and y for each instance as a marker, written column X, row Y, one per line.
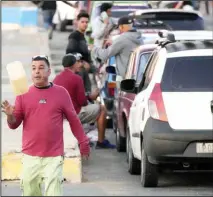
column 156, row 104
column 111, row 92
column 111, row 88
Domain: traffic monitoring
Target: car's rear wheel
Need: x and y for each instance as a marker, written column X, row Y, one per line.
column 133, row 163
column 120, row 142
column 109, row 123
column 149, row 171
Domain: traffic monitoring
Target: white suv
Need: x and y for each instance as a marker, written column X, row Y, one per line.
column 171, row 118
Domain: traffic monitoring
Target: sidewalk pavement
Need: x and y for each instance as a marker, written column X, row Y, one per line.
column 22, row 46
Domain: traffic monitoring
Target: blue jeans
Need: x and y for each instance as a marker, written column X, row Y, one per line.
column 48, row 18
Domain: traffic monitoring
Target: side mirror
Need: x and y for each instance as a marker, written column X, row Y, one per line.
column 128, row 85
column 110, row 69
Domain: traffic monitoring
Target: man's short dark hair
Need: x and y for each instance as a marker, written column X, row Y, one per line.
column 82, row 15
column 105, row 6
column 82, row 11
column 68, row 60
column 41, row 58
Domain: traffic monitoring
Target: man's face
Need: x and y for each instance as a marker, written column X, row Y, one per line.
column 124, row 28
column 83, row 24
column 121, row 28
column 78, row 65
column 109, row 12
column 40, row 73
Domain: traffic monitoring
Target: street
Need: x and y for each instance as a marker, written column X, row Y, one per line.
column 105, row 173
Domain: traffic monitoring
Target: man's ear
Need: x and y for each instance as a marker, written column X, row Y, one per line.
column 49, row 71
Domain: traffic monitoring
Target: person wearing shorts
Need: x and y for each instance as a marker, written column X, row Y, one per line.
column 48, row 9
column 90, row 113
column 87, row 113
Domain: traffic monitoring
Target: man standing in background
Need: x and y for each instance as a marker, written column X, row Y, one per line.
column 78, row 44
column 102, row 25
column 48, row 10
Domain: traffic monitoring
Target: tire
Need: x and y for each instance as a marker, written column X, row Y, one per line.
column 149, row 172
column 134, row 165
column 120, row 142
column 109, row 124
column 114, row 123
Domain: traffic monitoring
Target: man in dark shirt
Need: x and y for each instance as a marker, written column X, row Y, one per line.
column 78, row 44
column 87, row 113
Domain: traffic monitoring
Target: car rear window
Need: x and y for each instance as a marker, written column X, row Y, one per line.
column 188, row 74
column 176, row 21
column 119, row 11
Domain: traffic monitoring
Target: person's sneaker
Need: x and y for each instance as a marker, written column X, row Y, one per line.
column 104, row 145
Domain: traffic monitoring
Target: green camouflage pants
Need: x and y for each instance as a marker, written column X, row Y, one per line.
column 36, row 170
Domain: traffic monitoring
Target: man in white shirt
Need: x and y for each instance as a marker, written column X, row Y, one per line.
column 102, row 25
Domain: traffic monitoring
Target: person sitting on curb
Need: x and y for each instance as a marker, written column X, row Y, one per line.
column 87, row 113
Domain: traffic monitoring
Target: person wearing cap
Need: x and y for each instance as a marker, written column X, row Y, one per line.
column 41, row 110
column 102, row 25
column 87, row 113
column 122, row 46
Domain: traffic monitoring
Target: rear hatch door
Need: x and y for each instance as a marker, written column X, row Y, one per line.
column 187, row 89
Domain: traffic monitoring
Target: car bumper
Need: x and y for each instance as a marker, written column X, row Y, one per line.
column 161, row 141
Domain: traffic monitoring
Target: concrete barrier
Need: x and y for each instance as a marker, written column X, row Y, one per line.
column 19, row 17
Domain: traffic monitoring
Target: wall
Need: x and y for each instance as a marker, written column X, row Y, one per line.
column 22, row 16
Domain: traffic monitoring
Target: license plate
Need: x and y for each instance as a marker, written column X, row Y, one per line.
column 204, row 147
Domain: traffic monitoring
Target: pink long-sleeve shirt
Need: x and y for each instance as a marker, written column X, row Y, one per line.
column 42, row 112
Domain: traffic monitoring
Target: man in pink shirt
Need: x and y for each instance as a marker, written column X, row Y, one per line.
column 87, row 113
column 42, row 110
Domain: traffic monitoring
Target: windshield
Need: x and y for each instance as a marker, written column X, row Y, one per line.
column 183, row 74
column 174, row 21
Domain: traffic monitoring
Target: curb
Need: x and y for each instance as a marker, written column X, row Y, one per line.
column 11, row 168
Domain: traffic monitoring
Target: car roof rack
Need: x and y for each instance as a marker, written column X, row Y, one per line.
column 166, row 37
